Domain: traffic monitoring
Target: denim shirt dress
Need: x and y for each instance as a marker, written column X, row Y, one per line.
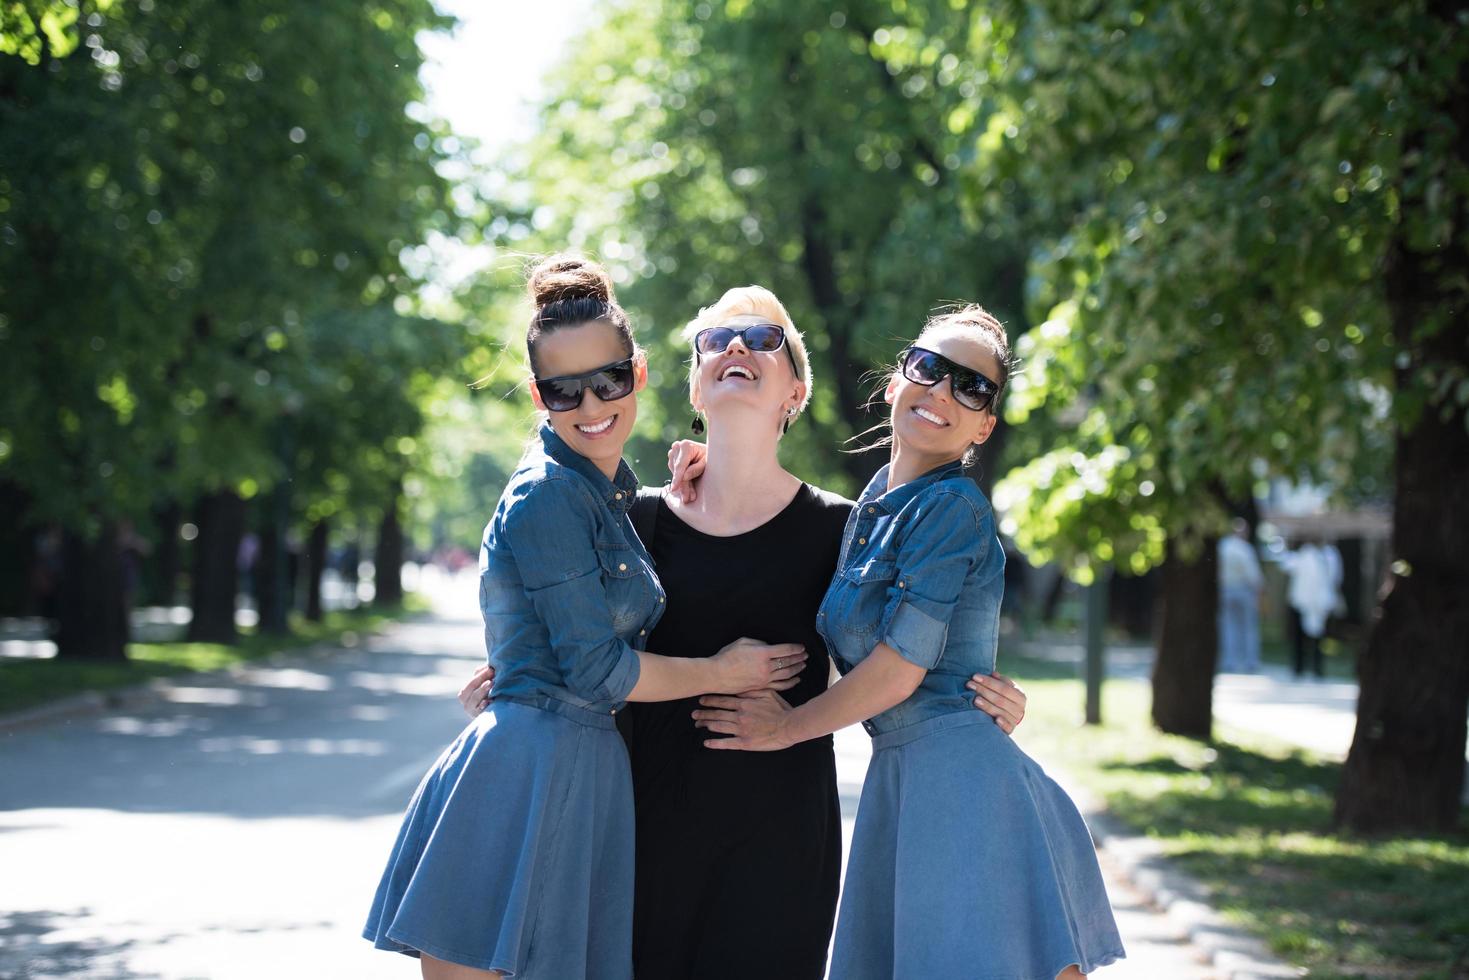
column 922, row 571
column 516, row 852
column 565, row 611
column 967, row 860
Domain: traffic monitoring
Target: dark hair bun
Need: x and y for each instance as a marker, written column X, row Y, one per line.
column 566, row 277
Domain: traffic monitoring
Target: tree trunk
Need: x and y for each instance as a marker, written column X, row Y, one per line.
column 92, row 615
column 315, row 566
column 17, row 551
column 216, row 578
column 1005, row 298
column 1133, row 603
column 163, row 583
column 272, row 585
column 1188, row 643
column 1405, row 770
column 387, row 559
column 839, row 313
column 818, row 262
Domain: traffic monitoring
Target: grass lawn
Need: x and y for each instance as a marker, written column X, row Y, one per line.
column 1252, row 819
column 28, row 683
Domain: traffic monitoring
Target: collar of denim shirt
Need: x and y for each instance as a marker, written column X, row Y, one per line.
column 617, row 494
column 878, row 495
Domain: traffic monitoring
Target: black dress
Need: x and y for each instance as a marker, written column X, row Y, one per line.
column 738, row 853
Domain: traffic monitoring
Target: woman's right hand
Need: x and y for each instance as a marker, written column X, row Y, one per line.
column 475, row 696
column 686, row 460
column 748, row 665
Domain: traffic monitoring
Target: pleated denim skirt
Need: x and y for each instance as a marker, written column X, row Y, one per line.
column 516, row 853
column 968, row 863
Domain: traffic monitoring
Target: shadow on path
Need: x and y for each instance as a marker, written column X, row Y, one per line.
column 341, row 734
column 24, row 943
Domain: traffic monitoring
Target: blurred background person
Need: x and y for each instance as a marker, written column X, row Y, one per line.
column 1315, row 572
column 1240, row 582
column 245, row 558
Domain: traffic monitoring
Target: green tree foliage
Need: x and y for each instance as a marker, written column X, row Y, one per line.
column 1265, row 278
column 366, row 381
column 1215, row 313
column 481, row 417
column 698, row 146
column 202, row 209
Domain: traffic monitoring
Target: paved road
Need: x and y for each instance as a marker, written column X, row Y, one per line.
column 235, row 829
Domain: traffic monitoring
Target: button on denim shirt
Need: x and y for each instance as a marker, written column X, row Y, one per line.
column 567, row 590
column 922, row 571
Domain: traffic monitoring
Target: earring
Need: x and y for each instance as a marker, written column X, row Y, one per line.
column 697, row 426
column 786, row 425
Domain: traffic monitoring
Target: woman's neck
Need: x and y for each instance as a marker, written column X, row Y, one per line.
column 906, row 465
column 743, row 484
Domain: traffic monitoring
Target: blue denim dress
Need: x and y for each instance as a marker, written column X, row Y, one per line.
column 516, row 853
column 967, row 860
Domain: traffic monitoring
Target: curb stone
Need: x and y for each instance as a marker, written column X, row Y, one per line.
column 88, row 702
column 1234, row 952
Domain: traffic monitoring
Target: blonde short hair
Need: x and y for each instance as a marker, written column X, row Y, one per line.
column 751, row 301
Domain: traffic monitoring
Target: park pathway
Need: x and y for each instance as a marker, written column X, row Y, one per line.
column 233, row 828
column 1319, row 714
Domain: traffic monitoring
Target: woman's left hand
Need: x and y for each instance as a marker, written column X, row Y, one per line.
column 1000, row 698
column 686, row 461
column 474, row 696
column 755, row 721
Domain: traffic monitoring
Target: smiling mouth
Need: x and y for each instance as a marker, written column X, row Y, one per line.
column 596, row 429
column 737, row 371
column 929, row 417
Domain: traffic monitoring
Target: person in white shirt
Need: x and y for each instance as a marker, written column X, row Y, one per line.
column 1315, row 572
column 1240, row 582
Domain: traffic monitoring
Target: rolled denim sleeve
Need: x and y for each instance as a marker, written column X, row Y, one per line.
column 946, row 539
column 551, row 531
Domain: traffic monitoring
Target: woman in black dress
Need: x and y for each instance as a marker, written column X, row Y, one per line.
column 739, row 854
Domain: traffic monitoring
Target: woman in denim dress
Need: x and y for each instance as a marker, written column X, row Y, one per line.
column 515, row 856
column 967, row 860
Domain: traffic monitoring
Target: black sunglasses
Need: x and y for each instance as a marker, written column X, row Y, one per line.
column 610, row 382
column 971, row 389
column 759, row 338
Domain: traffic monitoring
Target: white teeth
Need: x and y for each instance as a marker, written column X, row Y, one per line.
column 600, row 427
column 739, row 369
column 925, row 414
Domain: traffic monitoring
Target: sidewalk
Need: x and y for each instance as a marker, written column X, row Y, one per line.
column 1313, row 713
